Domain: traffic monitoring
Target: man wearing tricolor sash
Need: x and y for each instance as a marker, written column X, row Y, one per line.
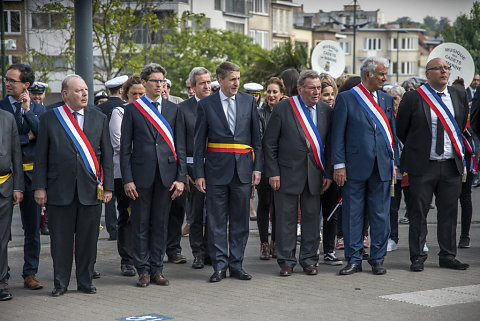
column 297, row 163
column 228, row 162
column 429, row 123
column 152, row 162
column 73, row 165
column 364, row 153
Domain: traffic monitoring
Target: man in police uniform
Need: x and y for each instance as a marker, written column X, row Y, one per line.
column 37, row 91
column 115, row 87
column 167, row 96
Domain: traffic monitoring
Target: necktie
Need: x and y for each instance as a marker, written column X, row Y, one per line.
column 440, row 138
column 75, row 115
column 155, row 104
column 18, row 114
column 310, row 111
column 231, row 114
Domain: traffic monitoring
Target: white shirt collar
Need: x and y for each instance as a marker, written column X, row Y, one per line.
column 224, row 97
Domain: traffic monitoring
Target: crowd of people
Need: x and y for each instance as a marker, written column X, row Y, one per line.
column 319, row 151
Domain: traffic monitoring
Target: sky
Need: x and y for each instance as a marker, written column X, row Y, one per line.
column 393, row 9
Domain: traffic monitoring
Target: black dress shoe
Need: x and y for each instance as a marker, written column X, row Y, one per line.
column 416, row 266
column 89, row 289
column 96, row 274
column 217, row 276
column 58, row 291
column 198, row 262
column 5, row 295
column 454, row 264
column 44, row 231
column 240, row 274
column 128, row 270
column 350, row 268
column 177, row 258
column 378, row 269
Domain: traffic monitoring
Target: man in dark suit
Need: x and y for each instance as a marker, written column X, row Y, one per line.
column 115, row 88
column 295, row 162
column 200, row 81
column 27, row 113
column 471, row 90
column 69, row 185
column 11, row 189
column 433, row 162
column 363, row 150
column 152, row 161
column 228, row 122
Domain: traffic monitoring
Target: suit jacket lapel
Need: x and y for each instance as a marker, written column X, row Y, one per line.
column 88, row 122
column 457, row 107
column 219, row 110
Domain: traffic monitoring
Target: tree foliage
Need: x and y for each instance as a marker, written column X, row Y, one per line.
column 466, row 32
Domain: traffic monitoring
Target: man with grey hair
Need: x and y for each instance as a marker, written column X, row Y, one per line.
column 200, row 80
column 152, row 162
column 364, row 151
column 73, row 174
column 228, row 159
column 297, row 162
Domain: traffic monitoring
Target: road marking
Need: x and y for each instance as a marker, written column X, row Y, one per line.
column 439, row 297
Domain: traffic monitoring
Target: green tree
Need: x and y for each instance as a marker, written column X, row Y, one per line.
column 466, row 32
column 116, row 27
column 190, row 44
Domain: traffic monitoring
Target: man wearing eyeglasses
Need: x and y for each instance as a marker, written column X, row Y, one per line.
column 429, row 123
column 152, row 162
column 18, row 79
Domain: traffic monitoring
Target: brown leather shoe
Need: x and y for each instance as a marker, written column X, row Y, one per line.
column 31, row 282
column 286, row 271
column 265, row 251
column 143, row 280
column 159, row 279
column 310, row 269
column 5, row 284
column 273, row 251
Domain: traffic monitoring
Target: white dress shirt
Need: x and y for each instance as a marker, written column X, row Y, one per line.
column 447, row 143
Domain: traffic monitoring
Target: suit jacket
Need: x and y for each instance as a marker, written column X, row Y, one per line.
column 189, row 110
column 357, row 141
column 138, row 163
column 31, row 121
column 59, row 167
column 475, row 113
column 286, row 151
column 111, row 103
column 414, row 129
column 10, row 155
column 212, row 126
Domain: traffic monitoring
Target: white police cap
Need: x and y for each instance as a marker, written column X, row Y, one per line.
column 253, row 87
column 116, row 82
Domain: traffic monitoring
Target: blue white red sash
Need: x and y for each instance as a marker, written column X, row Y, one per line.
column 444, row 115
column 81, row 142
column 376, row 112
column 157, row 120
column 471, row 151
column 309, row 129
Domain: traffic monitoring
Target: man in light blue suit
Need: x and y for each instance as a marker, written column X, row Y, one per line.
column 363, row 145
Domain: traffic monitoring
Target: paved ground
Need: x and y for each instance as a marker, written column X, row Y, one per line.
column 434, row 294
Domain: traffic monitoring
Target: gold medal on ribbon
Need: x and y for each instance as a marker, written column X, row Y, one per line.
column 100, row 192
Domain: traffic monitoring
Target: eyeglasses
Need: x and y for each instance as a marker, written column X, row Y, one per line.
column 10, row 81
column 158, row 81
column 441, row 68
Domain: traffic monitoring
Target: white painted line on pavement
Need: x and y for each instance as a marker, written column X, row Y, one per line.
column 439, row 297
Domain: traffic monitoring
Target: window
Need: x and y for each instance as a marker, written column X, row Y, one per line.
column 345, row 45
column 260, row 6
column 274, row 20
column 218, row 4
column 237, row 27
column 260, row 37
column 372, row 44
column 236, row 7
column 12, row 21
column 42, row 20
column 281, row 21
column 393, row 43
column 409, row 43
column 392, row 69
column 407, row 68
column 13, row 59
